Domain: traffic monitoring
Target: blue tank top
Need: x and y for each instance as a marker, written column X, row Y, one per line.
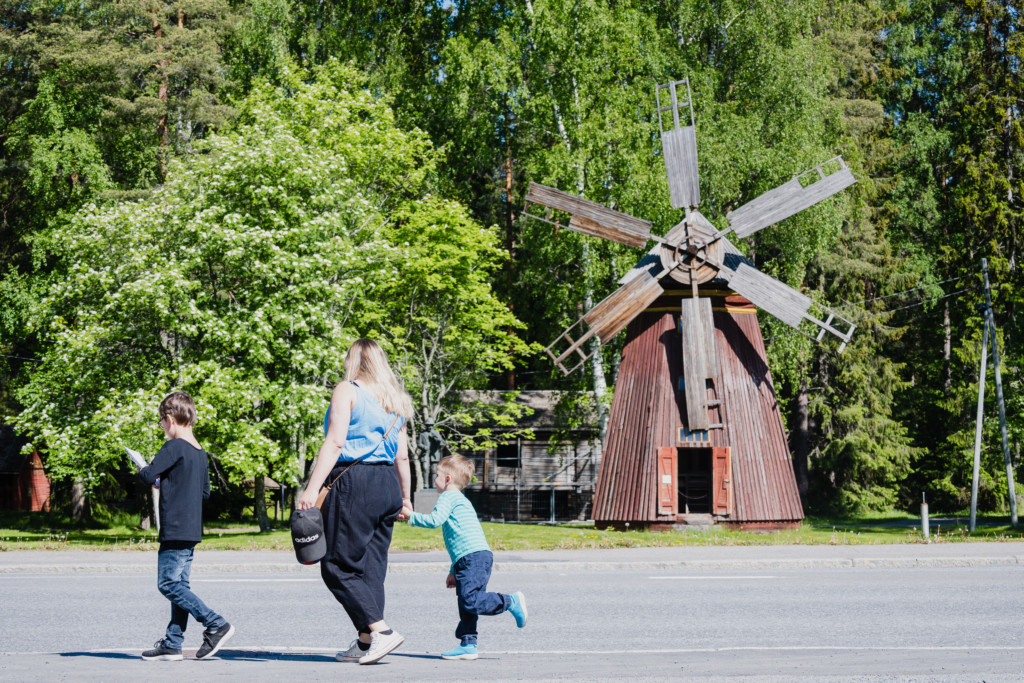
column 367, row 424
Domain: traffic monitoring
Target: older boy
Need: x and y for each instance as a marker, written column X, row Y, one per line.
column 182, row 470
column 471, row 556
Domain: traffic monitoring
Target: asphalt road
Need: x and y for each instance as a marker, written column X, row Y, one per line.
column 857, row 624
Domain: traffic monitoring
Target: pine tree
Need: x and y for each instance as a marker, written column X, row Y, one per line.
column 96, row 97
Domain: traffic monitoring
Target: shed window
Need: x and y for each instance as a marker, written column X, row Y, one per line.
column 507, row 455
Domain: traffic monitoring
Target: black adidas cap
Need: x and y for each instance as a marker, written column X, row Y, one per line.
column 308, row 535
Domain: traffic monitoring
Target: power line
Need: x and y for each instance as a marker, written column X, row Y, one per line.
column 912, row 289
column 921, row 303
column 891, row 310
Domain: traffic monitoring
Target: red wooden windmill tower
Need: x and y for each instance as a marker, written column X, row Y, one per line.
column 695, row 429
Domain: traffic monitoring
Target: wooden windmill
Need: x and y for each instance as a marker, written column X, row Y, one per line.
column 695, row 429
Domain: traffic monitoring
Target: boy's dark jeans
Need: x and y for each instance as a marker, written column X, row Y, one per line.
column 173, row 566
column 472, row 573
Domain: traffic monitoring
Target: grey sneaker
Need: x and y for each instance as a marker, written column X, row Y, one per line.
column 380, row 645
column 214, row 641
column 161, row 652
column 352, row 654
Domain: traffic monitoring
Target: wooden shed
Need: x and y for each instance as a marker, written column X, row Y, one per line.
column 23, row 482
column 534, row 479
column 658, row 473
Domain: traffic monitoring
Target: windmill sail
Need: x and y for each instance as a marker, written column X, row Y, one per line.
column 606, row 319
column 785, row 303
column 700, row 359
column 782, row 301
column 591, row 218
column 790, row 198
column 679, row 146
column 609, row 317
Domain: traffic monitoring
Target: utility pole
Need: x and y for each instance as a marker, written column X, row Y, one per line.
column 990, row 320
column 977, row 428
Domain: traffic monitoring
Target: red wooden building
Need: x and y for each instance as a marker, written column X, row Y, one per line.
column 23, row 483
column 655, row 471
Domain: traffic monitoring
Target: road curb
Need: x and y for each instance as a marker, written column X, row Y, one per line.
column 555, row 566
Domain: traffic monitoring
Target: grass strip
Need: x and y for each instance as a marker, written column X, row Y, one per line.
column 17, row 534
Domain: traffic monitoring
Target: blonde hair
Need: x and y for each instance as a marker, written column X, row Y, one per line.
column 180, row 406
column 367, row 364
column 459, row 467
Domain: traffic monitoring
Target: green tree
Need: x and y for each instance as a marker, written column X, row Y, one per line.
column 243, row 280
column 447, row 328
column 954, row 90
column 851, row 453
column 95, row 98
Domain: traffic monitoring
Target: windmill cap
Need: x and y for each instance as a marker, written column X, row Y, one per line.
column 308, row 535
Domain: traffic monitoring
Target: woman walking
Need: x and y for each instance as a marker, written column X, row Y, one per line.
column 366, row 438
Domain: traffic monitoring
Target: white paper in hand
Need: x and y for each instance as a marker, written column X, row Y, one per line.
column 136, row 458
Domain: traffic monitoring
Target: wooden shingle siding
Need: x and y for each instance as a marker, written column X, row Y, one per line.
column 644, row 416
column 680, row 151
column 648, row 411
column 764, row 486
column 591, row 218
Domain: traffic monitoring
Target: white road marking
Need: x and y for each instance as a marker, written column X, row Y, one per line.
column 194, row 580
column 678, row 651
column 704, row 578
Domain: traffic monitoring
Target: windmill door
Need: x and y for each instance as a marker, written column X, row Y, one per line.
column 721, row 491
column 667, row 484
column 695, row 481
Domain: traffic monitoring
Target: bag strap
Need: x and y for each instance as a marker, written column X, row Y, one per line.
column 361, row 458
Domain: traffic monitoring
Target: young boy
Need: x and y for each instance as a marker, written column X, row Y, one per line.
column 471, row 556
column 184, row 477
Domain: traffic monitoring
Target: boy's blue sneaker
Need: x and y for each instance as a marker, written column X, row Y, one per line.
column 460, row 652
column 518, row 608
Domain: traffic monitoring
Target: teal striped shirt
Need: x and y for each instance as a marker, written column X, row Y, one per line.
column 461, row 529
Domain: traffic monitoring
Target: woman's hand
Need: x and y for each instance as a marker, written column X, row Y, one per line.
column 307, row 499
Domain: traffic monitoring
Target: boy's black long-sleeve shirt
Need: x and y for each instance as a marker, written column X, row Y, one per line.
column 184, row 484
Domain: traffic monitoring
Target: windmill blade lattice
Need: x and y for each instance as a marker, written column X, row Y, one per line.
column 679, row 146
column 785, row 303
column 605, row 320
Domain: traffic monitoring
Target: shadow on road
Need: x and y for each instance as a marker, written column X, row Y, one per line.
column 244, row 656
column 230, row 655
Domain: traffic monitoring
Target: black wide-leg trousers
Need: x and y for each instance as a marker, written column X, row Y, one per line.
column 359, row 515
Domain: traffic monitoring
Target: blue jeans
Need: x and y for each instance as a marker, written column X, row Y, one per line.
column 173, row 565
column 472, row 572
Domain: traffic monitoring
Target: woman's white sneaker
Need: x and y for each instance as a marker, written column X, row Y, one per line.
column 381, row 645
